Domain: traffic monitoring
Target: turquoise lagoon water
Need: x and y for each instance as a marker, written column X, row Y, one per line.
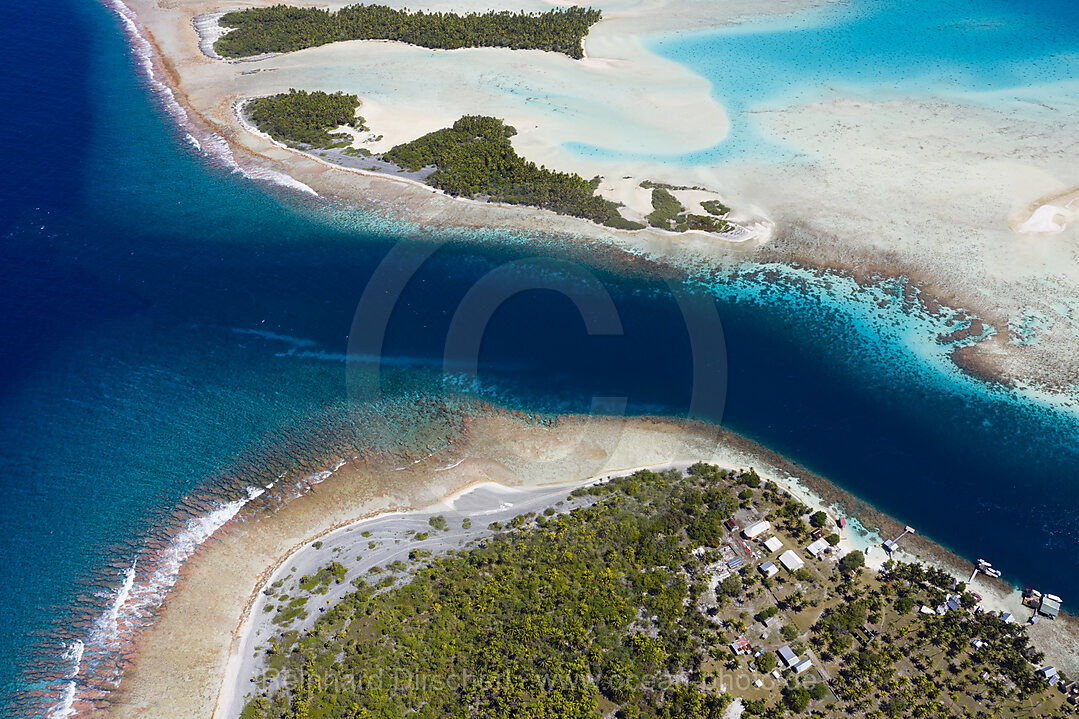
column 173, row 332
column 1018, row 55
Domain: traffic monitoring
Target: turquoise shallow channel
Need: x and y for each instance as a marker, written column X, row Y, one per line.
column 166, row 318
column 1014, row 55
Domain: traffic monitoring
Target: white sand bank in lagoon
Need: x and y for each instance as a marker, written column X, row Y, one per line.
column 925, row 189
column 1049, row 217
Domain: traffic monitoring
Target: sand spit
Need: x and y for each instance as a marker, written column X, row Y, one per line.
column 180, row 663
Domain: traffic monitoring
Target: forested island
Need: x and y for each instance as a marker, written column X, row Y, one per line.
column 475, row 158
column 641, row 598
column 303, row 119
column 283, row 28
column 669, row 214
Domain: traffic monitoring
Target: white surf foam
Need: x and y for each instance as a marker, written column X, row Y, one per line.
column 319, row 477
column 133, row 604
column 66, row 706
column 209, row 144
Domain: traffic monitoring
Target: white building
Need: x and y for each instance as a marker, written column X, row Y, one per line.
column 802, row 666
column 756, row 529
column 788, row 657
column 768, row 569
column 791, row 561
column 817, row 548
column 772, row 544
column 1048, row 671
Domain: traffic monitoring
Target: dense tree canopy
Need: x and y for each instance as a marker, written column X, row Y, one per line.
column 283, row 29
column 552, row 619
column 299, row 117
column 601, row 610
column 475, row 158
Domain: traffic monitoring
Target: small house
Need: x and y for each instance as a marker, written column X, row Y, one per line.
column 818, row 548
column 790, row 561
column 1007, row 618
column 788, row 657
column 730, row 524
column 756, row 529
column 841, row 522
column 740, row 645
column 890, row 547
column 802, row 666
column 1050, row 675
column 817, row 533
column 1050, row 606
column 768, row 569
column 734, row 563
column 772, row 544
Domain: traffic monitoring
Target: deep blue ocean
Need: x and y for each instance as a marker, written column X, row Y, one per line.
column 163, row 318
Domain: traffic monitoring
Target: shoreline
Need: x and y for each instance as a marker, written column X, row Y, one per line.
column 760, row 230
column 201, row 627
column 977, row 362
column 208, row 87
column 242, row 638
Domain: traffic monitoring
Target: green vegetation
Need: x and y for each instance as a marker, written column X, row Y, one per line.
column 767, row 661
column 665, row 208
column 669, row 214
column 475, row 158
column 649, row 184
column 438, row 522
column 851, row 562
column 320, row 581
column 284, row 29
column 715, row 207
column 614, row 609
column 766, row 613
column 303, row 118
